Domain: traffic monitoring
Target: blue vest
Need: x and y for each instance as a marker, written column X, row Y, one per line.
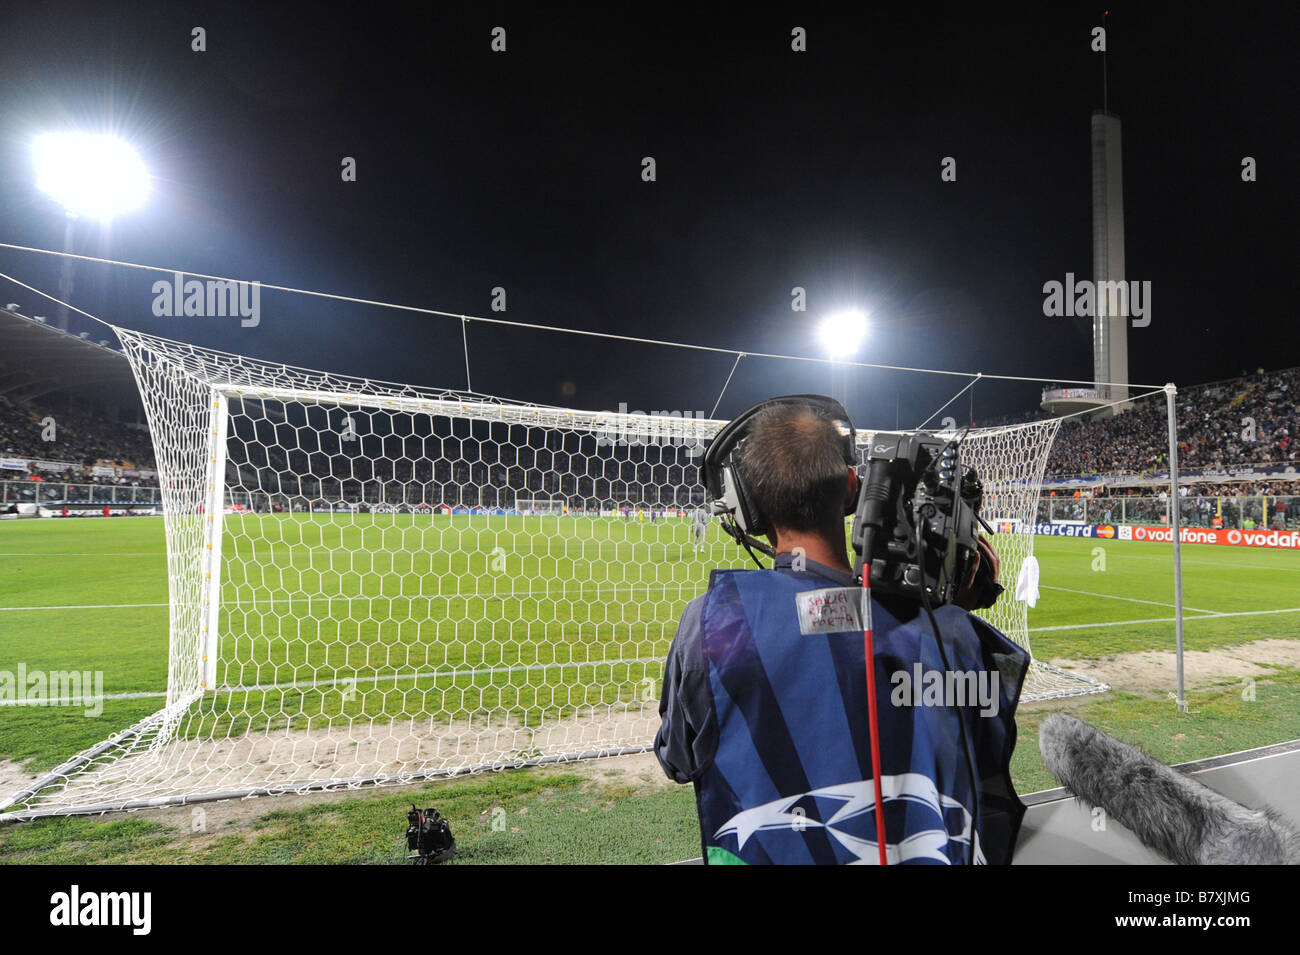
column 791, row 780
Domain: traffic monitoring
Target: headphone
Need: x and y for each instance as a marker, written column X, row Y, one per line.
column 726, row 491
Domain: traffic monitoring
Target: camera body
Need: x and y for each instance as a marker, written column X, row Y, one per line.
column 916, row 527
column 916, row 523
column 428, row 837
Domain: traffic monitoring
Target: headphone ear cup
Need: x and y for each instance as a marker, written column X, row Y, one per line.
column 754, row 523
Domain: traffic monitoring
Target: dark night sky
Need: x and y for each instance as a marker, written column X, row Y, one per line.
column 775, row 169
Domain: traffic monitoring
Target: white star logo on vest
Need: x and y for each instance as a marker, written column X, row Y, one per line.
column 859, row 798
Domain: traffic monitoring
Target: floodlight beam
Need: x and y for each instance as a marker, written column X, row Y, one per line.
column 91, row 175
column 842, row 333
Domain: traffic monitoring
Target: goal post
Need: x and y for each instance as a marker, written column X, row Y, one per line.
column 360, row 592
column 214, row 521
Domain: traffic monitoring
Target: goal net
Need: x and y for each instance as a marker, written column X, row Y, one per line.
column 376, row 583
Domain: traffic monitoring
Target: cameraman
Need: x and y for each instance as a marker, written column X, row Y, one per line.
column 771, row 723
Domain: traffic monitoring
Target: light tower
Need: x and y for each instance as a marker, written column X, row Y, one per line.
column 1110, row 290
column 1110, row 321
column 93, row 176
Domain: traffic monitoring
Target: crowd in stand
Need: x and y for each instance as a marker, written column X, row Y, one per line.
column 1202, row 489
column 86, row 441
column 1247, row 421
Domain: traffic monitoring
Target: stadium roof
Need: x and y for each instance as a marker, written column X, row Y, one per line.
column 37, row 360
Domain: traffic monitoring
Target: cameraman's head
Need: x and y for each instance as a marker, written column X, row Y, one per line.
column 792, row 462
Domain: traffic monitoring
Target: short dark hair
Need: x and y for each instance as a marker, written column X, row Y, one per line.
column 793, row 466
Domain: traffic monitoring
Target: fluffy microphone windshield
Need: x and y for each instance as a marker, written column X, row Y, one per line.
column 1169, row 812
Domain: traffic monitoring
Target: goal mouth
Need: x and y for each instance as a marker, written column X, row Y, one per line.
column 372, row 583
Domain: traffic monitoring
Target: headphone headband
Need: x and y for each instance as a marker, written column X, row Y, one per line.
column 723, row 486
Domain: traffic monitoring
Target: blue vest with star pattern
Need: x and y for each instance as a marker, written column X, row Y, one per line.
column 791, row 779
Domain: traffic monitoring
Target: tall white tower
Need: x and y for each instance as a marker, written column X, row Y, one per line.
column 1110, row 321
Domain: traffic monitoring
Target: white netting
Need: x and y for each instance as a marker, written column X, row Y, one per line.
column 1011, row 461
column 378, row 583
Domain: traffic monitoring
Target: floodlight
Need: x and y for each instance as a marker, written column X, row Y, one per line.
column 90, row 174
column 842, row 334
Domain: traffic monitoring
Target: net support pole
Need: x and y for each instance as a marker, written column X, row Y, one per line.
column 1175, row 520
column 215, row 507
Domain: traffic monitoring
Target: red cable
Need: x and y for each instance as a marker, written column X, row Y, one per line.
column 869, row 648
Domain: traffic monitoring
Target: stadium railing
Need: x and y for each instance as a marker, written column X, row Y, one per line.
column 38, row 492
column 1257, row 511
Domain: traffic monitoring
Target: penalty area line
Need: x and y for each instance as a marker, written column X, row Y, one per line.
column 1207, row 615
column 86, row 701
column 560, row 592
column 84, row 607
column 1136, row 600
column 349, row 682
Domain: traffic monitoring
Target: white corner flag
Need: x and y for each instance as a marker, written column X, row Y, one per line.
column 1027, row 582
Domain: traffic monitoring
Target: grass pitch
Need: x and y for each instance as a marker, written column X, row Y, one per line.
column 92, row 595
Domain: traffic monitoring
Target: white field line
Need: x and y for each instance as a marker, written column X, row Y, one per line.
column 1123, row 623
column 83, row 607
column 133, row 553
column 1204, row 615
column 430, row 675
column 1188, row 561
column 395, row 677
column 347, row 681
column 86, row 701
column 326, row 553
column 1136, row 600
column 563, row 593
column 243, row 605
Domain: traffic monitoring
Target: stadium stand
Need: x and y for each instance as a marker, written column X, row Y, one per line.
column 81, row 438
column 47, row 373
column 97, row 447
column 1212, row 430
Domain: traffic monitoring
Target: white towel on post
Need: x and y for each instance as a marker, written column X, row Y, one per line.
column 1027, row 582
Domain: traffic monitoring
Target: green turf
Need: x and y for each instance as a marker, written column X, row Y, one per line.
column 103, row 570
column 534, row 616
column 362, row 616
column 1221, row 719
column 545, row 816
column 539, row 817
column 596, row 590
column 1137, row 584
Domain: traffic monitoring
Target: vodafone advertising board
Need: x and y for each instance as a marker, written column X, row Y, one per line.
column 1211, row 535
column 1288, row 540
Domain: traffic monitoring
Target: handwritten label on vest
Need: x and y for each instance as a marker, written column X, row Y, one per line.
column 833, row 610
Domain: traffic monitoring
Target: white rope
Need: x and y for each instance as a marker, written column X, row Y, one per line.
column 464, row 337
column 554, row 328
column 57, row 301
column 725, row 384
column 969, row 386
